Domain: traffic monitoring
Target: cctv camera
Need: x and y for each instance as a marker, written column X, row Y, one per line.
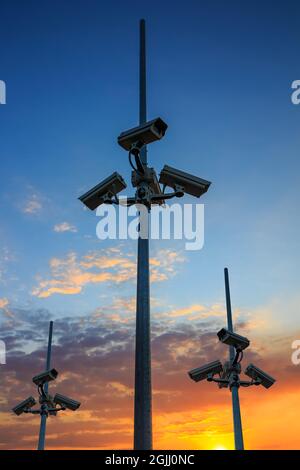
column 45, row 377
column 232, row 339
column 149, row 177
column 24, row 406
column 134, row 139
column 257, row 374
column 189, row 184
column 201, row 373
column 104, row 191
column 66, row 402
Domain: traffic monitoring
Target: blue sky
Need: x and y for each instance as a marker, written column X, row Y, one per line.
column 219, row 73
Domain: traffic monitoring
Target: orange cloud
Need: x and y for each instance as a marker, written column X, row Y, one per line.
column 70, row 274
column 3, row 302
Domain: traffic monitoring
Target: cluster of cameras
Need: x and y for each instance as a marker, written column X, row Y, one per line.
column 208, row 371
column 58, row 400
column 133, row 141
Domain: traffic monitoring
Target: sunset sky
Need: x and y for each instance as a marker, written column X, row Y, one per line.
column 220, row 75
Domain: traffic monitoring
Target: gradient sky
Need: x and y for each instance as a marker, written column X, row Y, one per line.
column 220, row 74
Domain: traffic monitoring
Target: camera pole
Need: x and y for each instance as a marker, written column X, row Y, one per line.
column 227, row 375
column 237, row 420
column 42, row 434
column 148, row 191
column 142, row 394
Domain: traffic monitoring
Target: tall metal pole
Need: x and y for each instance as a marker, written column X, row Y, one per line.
column 142, row 397
column 237, row 420
column 42, row 434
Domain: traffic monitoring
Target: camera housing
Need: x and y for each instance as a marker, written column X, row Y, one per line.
column 190, row 184
column 66, row 402
column 232, row 339
column 257, row 374
column 104, row 191
column 149, row 177
column 142, row 135
column 24, row 406
column 45, row 377
column 201, row 373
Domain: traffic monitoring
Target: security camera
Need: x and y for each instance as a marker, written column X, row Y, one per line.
column 66, row 402
column 232, row 339
column 24, row 406
column 149, row 177
column 45, row 377
column 259, row 375
column 179, row 179
column 134, row 139
column 201, row 373
column 104, row 191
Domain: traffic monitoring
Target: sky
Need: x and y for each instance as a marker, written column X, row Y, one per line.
column 220, row 74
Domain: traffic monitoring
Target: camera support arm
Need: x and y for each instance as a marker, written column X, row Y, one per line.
column 33, row 412
column 234, row 381
column 155, row 198
column 211, row 378
column 159, row 197
column 44, row 410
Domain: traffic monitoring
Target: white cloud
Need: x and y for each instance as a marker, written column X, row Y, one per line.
column 64, row 227
column 6, row 257
column 33, row 205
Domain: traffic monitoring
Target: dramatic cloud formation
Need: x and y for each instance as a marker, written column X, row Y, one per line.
column 64, row 227
column 70, row 274
column 95, row 358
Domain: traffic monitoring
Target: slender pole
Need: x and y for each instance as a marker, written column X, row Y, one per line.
column 42, row 434
column 142, row 397
column 143, row 85
column 237, row 420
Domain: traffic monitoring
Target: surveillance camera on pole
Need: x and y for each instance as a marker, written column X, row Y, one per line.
column 134, row 139
column 149, row 191
column 104, row 192
column 227, row 375
column 49, row 406
column 66, row 402
column 183, row 182
column 259, row 376
column 143, row 178
column 45, row 377
column 24, row 406
column 232, row 339
column 203, row 372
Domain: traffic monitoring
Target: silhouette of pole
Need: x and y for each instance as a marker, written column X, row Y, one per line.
column 42, row 434
column 237, row 420
column 142, row 396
